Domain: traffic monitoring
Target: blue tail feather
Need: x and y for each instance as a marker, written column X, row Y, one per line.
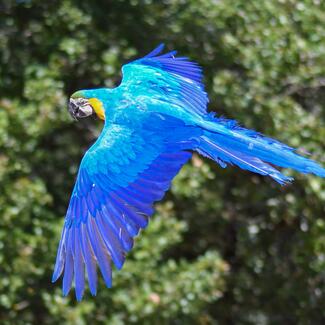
column 252, row 151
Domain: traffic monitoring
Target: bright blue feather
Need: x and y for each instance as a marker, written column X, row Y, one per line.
column 90, row 262
column 79, row 267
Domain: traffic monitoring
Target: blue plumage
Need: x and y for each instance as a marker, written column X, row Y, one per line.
column 154, row 121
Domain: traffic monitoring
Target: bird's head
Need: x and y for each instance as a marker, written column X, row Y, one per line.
column 83, row 103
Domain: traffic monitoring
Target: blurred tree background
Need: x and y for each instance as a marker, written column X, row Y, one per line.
column 225, row 246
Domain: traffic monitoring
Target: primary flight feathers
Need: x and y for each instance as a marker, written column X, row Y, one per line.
column 154, row 120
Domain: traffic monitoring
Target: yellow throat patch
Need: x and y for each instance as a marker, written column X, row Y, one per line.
column 98, row 107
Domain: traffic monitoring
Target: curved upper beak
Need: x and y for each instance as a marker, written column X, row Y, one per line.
column 80, row 110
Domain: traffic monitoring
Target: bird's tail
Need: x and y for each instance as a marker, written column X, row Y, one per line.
column 227, row 143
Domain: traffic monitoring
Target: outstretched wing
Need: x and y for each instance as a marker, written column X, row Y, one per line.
column 166, row 78
column 119, row 178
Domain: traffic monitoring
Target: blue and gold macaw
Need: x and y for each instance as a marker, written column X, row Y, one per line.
column 154, row 120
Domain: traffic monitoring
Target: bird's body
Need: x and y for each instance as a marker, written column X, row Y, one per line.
column 154, row 121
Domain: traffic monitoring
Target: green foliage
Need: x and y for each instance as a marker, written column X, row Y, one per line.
column 225, row 246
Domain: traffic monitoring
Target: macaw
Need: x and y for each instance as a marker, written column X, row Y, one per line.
column 154, row 121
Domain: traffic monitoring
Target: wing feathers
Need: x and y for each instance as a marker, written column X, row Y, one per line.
column 79, row 267
column 60, row 258
column 111, row 241
column 102, row 256
column 89, row 259
column 108, row 209
column 138, row 219
column 101, row 224
column 167, row 78
column 119, row 229
column 68, row 267
column 156, row 51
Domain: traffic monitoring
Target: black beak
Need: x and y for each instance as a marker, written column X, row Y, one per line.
column 80, row 108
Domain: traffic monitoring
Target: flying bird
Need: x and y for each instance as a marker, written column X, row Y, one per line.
column 154, row 121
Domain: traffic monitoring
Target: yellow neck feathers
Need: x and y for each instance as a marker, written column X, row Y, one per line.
column 98, row 107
